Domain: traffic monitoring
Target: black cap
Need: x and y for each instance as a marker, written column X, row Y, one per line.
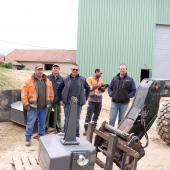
column 55, row 65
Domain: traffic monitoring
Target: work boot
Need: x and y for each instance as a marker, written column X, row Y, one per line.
column 85, row 133
column 36, row 136
column 51, row 130
column 58, row 130
column 28, row 143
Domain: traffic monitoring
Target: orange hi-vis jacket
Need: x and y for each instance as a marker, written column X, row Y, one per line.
column 29, row 93
column 92, row 81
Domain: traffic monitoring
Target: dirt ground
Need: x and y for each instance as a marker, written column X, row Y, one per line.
column 12, row 143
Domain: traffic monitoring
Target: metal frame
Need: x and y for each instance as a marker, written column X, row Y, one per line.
column 114, row 142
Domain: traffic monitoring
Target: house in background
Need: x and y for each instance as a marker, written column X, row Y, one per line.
column 15, row 64
column 29, row 58
column 2, row 58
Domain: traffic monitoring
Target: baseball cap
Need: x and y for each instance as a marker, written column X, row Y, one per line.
column 55, row 65
column 39, row 66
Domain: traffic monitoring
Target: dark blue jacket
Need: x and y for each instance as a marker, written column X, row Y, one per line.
column 82, row 91
column 122, row 89
column 57, row 87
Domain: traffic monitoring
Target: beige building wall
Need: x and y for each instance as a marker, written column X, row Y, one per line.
column 64, row 67
column 30, row 65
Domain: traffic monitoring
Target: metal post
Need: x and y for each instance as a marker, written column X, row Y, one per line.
column 70, row 130
column 110, row 151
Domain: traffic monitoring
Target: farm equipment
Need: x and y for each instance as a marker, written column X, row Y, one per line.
column 122, row 145
column 65, row 151
column 163, row 122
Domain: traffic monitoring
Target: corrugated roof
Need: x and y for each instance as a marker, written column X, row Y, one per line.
column 68, row 56
column 12, row 61
column 9, row 60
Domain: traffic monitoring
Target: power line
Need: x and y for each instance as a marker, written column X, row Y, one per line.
column 23, row 44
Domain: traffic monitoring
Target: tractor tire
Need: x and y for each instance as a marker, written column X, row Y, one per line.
column 163, row 123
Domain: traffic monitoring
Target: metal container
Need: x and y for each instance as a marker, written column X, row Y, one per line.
column 53, row 155
column 17, row 113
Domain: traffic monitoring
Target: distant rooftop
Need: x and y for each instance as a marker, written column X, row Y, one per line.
column 18, row 55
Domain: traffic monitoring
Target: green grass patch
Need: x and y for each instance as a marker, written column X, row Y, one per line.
column 9, row 79
column 6, row 65
column 13, row 79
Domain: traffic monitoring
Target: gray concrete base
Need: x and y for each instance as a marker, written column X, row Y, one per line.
column 53, row 155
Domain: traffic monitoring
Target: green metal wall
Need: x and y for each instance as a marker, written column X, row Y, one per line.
column 111, row 32
column 163, row 12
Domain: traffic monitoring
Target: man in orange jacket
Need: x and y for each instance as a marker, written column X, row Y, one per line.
column 36, row 95
column 95, row 99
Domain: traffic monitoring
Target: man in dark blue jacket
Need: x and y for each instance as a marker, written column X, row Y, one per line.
column 121, row 89
column 57, row 82
column 74, row 85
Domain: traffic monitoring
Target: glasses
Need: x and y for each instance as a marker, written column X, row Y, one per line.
column 75, row 69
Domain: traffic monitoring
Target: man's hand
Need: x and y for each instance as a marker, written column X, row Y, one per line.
column 62, row 103
column 103, row 87
column 27, row 107
column 96, row 86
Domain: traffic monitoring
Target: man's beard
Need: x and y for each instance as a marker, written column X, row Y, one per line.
column 98, row 77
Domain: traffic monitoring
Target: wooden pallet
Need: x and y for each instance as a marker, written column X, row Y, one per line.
column 24, row 162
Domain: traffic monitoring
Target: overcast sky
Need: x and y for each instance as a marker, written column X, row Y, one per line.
column 38, row 24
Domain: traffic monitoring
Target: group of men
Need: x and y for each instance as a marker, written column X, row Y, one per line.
column 40, row 94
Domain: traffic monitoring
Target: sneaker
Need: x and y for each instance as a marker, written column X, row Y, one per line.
column 85, row 133
column 28, row 143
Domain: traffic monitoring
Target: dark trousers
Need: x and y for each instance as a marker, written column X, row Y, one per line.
column 57, row 115
column 93, row 112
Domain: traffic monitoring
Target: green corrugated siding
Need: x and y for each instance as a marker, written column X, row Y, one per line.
column 163, row 12
column 111, row 32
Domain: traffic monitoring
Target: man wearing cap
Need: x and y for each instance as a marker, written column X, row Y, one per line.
column 36, row 95
column 56, row 81
column 74, row 85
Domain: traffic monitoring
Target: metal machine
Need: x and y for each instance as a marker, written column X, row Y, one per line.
column 122, row 145
column 18, row 114
column 65, row 151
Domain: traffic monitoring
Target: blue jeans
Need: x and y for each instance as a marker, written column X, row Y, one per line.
column 32, row 115
column 66, row 112
column 115, row 108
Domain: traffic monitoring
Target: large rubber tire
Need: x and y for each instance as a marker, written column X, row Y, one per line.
column 163, row 122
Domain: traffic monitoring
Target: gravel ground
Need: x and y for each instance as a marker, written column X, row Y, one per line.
column 12, row 141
